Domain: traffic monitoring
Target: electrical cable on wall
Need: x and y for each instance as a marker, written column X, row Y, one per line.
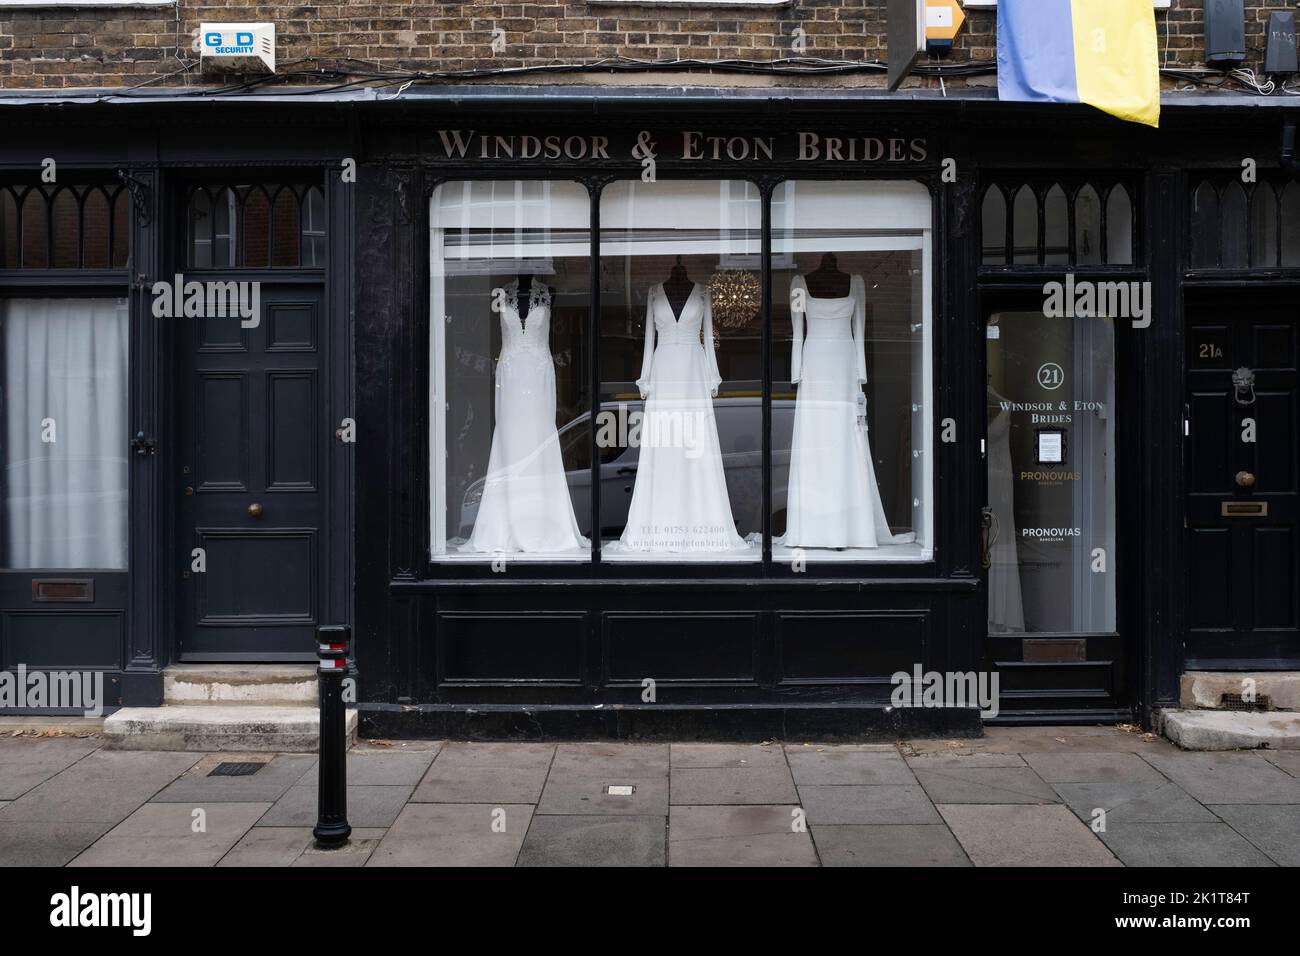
column 351, row 73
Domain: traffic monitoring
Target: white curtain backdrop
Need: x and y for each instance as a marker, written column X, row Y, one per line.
column 65, row 502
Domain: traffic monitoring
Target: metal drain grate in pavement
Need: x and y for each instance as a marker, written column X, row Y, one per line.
column 235, row 769
column 1237, row 702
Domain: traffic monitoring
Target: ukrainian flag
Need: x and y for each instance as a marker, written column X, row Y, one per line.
column 1100, row 52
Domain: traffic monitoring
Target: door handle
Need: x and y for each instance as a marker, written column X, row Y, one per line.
column 1244, row 479
column 255, row 510
column 988, row 536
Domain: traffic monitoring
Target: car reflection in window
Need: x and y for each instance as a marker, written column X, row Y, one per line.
column 738, row 422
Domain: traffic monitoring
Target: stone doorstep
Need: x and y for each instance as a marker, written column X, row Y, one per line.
column 1231, row 730
column 1205, row 689
column 268, row 684
column 222, row 727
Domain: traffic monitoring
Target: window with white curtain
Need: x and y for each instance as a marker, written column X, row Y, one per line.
column 63, row 400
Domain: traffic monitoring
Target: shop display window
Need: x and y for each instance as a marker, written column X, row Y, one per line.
column 665, row 463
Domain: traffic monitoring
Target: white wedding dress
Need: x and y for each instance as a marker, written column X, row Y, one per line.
column 832, row 500
column 526, row 504
column 1006, row 602
column 680, row 501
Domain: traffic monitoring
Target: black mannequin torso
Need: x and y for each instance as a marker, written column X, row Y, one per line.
column 524, row 296
column 827, row 281
column 678, row 288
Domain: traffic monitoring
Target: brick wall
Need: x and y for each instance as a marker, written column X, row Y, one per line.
column 86, row 47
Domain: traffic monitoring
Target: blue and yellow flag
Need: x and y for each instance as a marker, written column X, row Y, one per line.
column 1100, row 52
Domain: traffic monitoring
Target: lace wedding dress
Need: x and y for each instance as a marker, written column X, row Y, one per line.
column 525, row 504
column 680, row 501
column 832, row 500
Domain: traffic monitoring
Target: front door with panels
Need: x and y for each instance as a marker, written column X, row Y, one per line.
column 253, row 470
column 1243, row 549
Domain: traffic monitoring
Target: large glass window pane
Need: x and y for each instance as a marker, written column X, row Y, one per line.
column 851, row 398
column 65, row 433
column 1051, row 473
column 680, row 426
column 510, row 427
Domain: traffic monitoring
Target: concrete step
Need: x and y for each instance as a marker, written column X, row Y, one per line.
column 1232, row 730
column 267, row 684
column 1206, row 688
column 237, row 727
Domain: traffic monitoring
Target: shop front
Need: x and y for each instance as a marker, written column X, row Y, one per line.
column 630, row 412
column 721, row 425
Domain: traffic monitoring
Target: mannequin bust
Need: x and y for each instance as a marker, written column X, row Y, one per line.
column 827, row 281
column 525, row 288
column 678, row 287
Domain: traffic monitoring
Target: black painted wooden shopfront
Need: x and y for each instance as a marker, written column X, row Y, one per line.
column 566, row 647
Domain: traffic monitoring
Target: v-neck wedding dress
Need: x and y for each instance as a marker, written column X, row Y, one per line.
column 832, row 500
column 680, row 501
column 526, row 505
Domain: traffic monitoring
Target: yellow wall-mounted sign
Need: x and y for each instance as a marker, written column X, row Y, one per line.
column 943, row 21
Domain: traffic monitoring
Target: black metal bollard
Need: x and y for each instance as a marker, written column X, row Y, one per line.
column 332, row 829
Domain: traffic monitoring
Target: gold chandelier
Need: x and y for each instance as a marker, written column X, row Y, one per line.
column 736, row 298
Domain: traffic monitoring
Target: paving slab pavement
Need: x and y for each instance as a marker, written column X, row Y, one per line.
column 1273, row 830
column 1107, row 767
column 27, row 763
column 266, row 785
column 1144, row 802
column 723, row 785
column 1181, row 844
column 444, row 834
column 103, row 787
column 888, row 845
column 379, row 768
column 695, row 756
column 597, row 840
column 415, row 803
column 831, row 766
column 1288, row 761
column 287, row 846
column 738, row 836
column 368, row 806
column 173, row 834
column 996, row 785
column 46, row 842
column 581, row 775
column 874, row 804
column 486, row 773
column 1229, row 777
column 1018, row 835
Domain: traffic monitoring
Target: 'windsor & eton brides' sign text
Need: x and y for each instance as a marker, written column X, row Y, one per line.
column 681, row 146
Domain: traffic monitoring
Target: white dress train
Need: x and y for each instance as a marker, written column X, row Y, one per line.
column 680, row 501
column 832, row 499
column 526, row 505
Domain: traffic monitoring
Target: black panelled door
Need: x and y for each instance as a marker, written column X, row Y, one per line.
column 1242, row 471
column 252, row 480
